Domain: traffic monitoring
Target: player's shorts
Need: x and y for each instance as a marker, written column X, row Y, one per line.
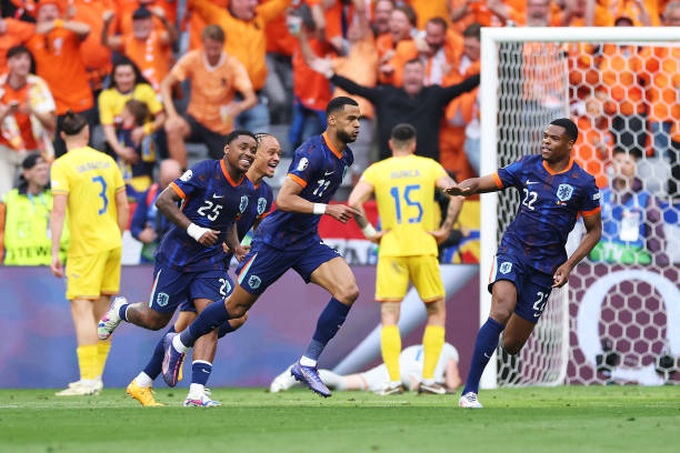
column 394, row 272
column 189, row 306
column 171, row 288
column 263, row 265
column 533, row 286
column 92, row 276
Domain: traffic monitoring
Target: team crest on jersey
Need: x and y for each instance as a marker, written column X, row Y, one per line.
column 505, row 268
column 261, row 205
column 564, row 192
column 304, row 162
column 186, row 176
column 254, row 282
column 162, row 299
column 244, row 203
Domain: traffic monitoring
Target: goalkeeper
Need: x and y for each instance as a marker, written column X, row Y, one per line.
column 531, row 258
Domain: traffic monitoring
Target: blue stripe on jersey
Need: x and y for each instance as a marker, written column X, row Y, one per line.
column 211, row 201
column 550, row 204
column 316, row 165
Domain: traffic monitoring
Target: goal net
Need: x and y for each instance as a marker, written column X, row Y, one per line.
column 614, row 321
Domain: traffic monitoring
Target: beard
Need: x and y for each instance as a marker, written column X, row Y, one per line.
column 345, row 137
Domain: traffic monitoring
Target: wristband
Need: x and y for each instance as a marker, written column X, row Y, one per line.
column 369, row 231
column 320, row 208
column 196, row 231
column 148, row 129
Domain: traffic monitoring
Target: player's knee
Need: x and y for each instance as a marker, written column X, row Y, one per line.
column 348, row 294
column 512, row 347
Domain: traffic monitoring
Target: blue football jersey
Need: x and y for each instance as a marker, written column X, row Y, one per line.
column 550, row 205
column 320, row 169
column 260, row 207
column 210, row 199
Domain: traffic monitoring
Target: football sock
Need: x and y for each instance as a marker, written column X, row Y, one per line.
column 200, row 372
column 485, row 346
column 225, row 328
column 87, row 361
column 212, row 317
column 332, row 380
column 330, row 320
column 390, row 347
column 155, row 363
column 122, row 312
column 103, row 348
column 433, row 341
column 144, row 380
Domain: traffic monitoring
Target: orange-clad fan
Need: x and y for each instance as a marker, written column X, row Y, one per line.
column 429, row 9
column 194, row 23
column 12, row 33
column 595, row 144
column 125, row 8
column 459, row 136
column 150, row 49
column 244, row 23
column 402, row 25
column 97, row 57
column 56, row 49
column 216, row 78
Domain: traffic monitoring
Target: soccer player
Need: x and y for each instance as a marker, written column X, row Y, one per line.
column 88, row 189
column 190, row 258
column 267, row 158
column 289, row 239
column 404, row 187
column 411, row 362
column 531, row 258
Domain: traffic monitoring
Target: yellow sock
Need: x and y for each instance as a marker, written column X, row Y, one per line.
column 390, row 346
column 103, row 348
column 433, row 341
column 87, row 360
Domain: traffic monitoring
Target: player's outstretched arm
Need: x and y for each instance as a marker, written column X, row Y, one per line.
column 593, row 224
column 359, row 195
column 472, row 186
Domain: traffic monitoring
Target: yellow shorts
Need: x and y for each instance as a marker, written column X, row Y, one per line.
column 393, row 274
column 92, row 276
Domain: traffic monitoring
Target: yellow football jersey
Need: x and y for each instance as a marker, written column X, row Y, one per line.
column 91, row 179
column 404, row 191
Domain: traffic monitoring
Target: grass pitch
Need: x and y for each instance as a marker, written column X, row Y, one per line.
column 563, row 419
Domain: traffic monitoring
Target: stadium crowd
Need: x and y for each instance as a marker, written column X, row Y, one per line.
column 135, row 70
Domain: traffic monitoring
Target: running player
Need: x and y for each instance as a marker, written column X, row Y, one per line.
column 289, row 238
column 531, row 258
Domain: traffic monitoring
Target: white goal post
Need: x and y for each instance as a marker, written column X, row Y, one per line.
column 498, row 120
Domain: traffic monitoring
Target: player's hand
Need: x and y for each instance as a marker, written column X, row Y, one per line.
column 455, row 191
column 341, row 212
column 561, row 276
column 378, row 236
column 241, row 252
column 147, row 235
column 440, row 235
column 56, row 267
column 209, row 238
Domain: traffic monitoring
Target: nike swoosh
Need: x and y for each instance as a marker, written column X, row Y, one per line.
column 530, row 182
column 218, row 196
column 328, row 173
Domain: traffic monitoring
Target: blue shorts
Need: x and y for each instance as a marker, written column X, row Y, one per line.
column 263, row 265
column 172, row 288
column 533, row 286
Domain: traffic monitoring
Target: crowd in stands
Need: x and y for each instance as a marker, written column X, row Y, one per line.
column 152, row 75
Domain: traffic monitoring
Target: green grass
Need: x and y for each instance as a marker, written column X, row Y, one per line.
column 564, row 419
